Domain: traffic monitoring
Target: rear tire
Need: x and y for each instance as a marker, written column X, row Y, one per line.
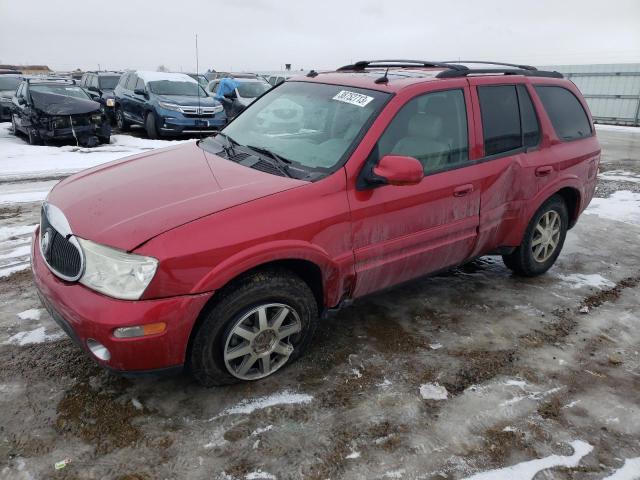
column 542, row 241
column 150, row 126
column 233, row 344
column 14, row 127
column 121, row 122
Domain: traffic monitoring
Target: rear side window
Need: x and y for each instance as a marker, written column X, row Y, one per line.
column 131, row 82
column 500, row 118
column 140, row 84
column 567, row 116
column 123, row 80
column 530, row 126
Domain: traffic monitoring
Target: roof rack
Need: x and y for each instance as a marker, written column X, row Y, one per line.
column 454, row 69
column 70, row 81
column 361, row 65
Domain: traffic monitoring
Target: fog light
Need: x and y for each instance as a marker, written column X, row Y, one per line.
column 140, row 330
column 99, row 350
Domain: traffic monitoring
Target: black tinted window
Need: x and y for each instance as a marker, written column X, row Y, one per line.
column 431, row 128
column 500, row 118
column 565, row 111
column 108, row 83
column 530, row 127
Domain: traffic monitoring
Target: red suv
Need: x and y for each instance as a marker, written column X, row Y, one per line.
column 221, row 255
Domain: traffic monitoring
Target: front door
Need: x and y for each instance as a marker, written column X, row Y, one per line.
column 402, row 232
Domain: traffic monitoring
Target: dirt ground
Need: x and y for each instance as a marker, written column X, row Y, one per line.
column 529, row 366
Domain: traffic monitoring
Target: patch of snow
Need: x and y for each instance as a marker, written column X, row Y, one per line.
column 27, row 192
column 23, row 161
column 435, row 346
column 623, row 206
column 259, row 431
column 353, row 455
column 395, row 473
column 531, row 396
column 384, row 384
column 509, row 428
column 31, row 314
column 578, row 280
column 16, row 231
column 15, row 248
column 433, row 391
column 136, row 404
column 629, row 471
column 356, row 372
column 571, row 404
column 246, row 407
column 618, row 128
column 33, row 336
column 620, row 176
column 528, row 470
column 516, row 383
column 259, row 474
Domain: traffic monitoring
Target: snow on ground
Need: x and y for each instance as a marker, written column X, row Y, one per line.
column 23, row 161
column 623, row 206
column 15, row 251
column 629, row 471
column 528, row 470
column 31, row 314
column 577, row 280
column 619, row 128
column 38, row 335
column 25, row 192
column 283, row 398
column 433, row 391
column 620, row 176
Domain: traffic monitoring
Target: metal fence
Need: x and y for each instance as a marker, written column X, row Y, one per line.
column 611, row 90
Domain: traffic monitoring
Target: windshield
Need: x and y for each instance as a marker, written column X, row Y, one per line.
column 252, row 89
column 108, row 83
column 310, row 124
column 9, row 83
column 67, row 90
column 176, row 87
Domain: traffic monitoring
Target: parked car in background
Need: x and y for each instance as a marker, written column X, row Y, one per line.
column 49, row 109
column 221, row 255
column 166, row 104
column 8, row 85
column 275, row 80
column 247, row 89
column 100, row 87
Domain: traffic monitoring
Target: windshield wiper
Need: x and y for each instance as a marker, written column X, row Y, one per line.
column 228, row 147
column 280, row 162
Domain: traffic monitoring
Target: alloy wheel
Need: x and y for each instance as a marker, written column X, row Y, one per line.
column 546, row 236
column 260, row 342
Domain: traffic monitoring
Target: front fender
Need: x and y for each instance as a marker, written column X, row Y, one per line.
column 333, row 271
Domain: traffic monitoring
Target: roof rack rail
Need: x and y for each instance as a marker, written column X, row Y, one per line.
column 484, row 62
column 497, row 71
column 361, row 65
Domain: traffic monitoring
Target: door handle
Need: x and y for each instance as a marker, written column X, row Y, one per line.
column 544, row 171
column 463, row 190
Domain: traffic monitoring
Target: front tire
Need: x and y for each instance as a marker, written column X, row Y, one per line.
column 150, row 126
column 33, row 137
column 542, row 241
column 259, row 324
column 121, row 122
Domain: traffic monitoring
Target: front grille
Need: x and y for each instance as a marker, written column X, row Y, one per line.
column 201, row 115
column 200, row 111
column 61, row 255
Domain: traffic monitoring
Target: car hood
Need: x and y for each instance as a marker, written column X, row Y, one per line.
column 55, row 104
column 188, row 100
column 127, row 202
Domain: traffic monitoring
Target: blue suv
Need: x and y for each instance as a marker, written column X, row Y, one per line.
column 166, row 104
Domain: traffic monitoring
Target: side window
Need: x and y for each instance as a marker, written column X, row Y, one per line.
column 94, row 81
column 567, row 116
column 530, row 125
column 431, row 128
column 131, row 82
column 500, row 118
column 140, row 84
column 123, row 80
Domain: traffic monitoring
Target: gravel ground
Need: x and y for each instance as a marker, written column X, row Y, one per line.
column 465, row 373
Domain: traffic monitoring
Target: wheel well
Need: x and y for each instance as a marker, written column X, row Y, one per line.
column 571, row 197
column 308, row 271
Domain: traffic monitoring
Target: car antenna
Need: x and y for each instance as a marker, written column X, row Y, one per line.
column 198, row 75
column 384, row 78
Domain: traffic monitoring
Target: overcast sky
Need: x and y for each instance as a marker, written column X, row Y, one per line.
column 265, row 34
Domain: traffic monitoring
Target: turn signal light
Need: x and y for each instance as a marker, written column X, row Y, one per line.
column 140, row 330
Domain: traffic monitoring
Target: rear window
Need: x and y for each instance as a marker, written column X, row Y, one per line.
column 9, row 83
column 108, row 82
column 567, row 116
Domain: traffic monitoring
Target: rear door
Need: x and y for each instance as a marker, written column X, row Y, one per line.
column 138, row 101
column 402, row 232
column 509, row 139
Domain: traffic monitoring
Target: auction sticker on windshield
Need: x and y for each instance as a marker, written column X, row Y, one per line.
column 353, row 98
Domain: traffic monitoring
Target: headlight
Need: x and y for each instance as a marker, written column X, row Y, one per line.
column 96, row 118
column 114, row 272
column 217, row 108
column 111, row 102
column 170, row 106
column 60, row 122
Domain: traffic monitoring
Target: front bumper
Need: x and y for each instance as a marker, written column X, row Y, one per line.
column 102, row 130
column 178, row 124
column 84, row 314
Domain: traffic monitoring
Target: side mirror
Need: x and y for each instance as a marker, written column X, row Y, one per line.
column 140, row 91
column 399, row 170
